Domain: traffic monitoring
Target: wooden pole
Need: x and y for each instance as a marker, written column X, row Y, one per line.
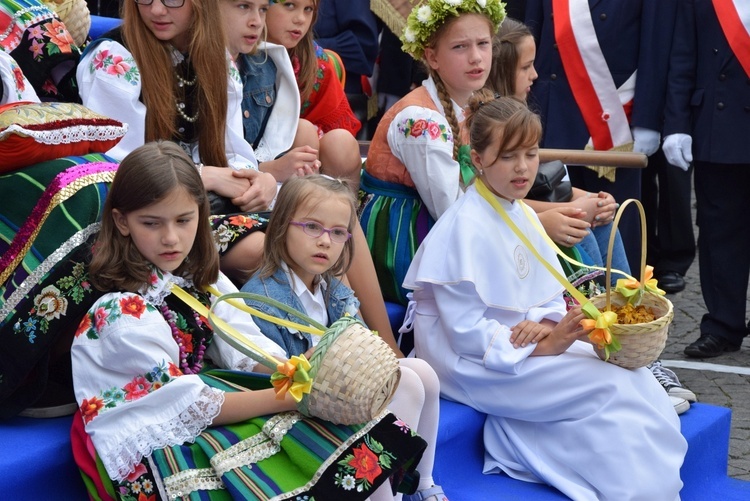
column 575, row 157
column 591, row 157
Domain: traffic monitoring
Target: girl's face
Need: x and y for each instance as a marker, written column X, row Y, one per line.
column 512, row 173
column 289, row 21
column 313, row 256
column 462, row 56
column 162, row 232
column 525, row 71
column 243, row 22
column 169, row 24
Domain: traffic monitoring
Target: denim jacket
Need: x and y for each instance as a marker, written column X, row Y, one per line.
column 258, row 73
column 340, row 300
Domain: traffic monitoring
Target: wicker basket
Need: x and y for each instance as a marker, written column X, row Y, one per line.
column 355, row 374
column 641, row 343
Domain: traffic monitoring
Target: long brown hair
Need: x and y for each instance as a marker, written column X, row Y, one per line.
column 207, row 53
column 304, row 51
column 445, row 98
column 502, row 78
column 144, row 177
column 294, row 192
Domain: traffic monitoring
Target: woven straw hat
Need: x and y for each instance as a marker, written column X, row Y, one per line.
column 355, row 374
column 75, row 15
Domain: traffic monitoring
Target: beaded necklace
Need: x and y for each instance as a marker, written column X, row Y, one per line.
column 182, row 83
column 198, row 352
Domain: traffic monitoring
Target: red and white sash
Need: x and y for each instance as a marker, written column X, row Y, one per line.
column 605, row 108
column 734, row 18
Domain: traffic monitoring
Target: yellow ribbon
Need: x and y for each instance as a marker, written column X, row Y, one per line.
column 631, row 288
column 292, row 376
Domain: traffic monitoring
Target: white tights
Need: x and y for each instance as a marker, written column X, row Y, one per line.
column 416, row 402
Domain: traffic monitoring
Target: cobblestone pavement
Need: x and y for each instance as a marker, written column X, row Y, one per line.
column 724, row 380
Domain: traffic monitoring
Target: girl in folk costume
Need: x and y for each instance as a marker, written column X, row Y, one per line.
column 166, row 73
column 415, row 167
column 150, row 424
column 270, row 97
column 323, row 102
column 309, row 245
column 490, row 318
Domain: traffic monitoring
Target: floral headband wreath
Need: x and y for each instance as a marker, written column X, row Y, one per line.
column 426, row 18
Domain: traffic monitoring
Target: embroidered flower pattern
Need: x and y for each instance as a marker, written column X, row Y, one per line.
column 19, row 80
column 59, row 37
column 359, row 470
column 137, row 388
column 425, row 128
column 226, row 230
column 110, row 310
column 115, row 65
column 50, row 303
column 322, row 59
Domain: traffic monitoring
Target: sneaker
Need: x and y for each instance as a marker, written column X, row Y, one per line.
column 668, row 379
column 680, row 404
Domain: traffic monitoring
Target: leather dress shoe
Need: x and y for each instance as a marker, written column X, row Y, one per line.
column 671, row 282
column 708, row 346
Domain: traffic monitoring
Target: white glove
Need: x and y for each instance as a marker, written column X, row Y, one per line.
column 646, row 140
column 678, row 148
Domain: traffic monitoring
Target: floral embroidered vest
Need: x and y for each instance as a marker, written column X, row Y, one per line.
column 381, row 163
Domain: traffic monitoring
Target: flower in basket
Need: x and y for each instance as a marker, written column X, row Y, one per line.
column 292, row 376
column 427, row 17
column 631, row 289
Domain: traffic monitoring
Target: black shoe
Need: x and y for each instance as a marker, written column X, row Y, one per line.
column 671, row 282
column 708, row 346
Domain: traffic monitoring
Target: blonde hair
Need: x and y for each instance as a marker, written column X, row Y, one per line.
column 146, row 176
column 207, row 53
column 295, row 192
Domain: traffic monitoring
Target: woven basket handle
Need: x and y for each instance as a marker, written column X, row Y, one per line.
column 611, row 245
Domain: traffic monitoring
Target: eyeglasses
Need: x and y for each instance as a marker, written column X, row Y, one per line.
column 338, row 234
column 172, row 4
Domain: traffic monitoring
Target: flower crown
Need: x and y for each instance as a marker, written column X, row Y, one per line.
column 426, row 18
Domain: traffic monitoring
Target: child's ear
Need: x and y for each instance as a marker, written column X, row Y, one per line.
column 476, row 159
column 431, row 57
column 121, row 222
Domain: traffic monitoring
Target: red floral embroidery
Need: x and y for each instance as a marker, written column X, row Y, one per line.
column 140, row 469
column 143, row 497
column 418, row 128
column 434, row 130
column 118, row 67
column 137, row 388
column 100, row 318
column 18, row 74
column 100, row 58
column 133, row 306
column 84, row 326
column 365, row 464
column 90, row 408
column 244, row 221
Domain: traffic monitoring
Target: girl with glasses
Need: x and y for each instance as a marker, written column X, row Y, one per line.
column 166, row 73
column 308, row 248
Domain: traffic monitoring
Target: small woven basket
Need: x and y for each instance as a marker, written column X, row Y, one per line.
column 354, row 372
column 355, row 375
column 641, row 343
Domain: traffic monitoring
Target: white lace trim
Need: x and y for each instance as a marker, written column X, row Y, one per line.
column 183, row 428
column 258, row 447
column 157, row 292
column 68, row 135
column 183, row 483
